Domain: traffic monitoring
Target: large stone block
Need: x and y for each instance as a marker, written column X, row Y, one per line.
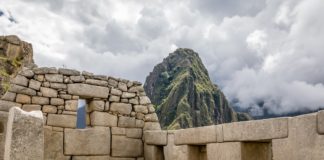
column 134, row 133
column 24, row 99
column 6, row 105
column 31, row 107
column 152, row 126
column 71, row 105
column 19, row 144
column 48, row 92
column 88, row 91
column 33, row 84
column 20, row 80
column 257, row 130
column 97, row 105
column 97, row 82
column 53, row 145
column 303, row 141
column 62, row 120
column 224, row 151
column 156, row 137
column 68, row 72
column 126, row 122
column 103, row 119
column 320, row 122
column 54, row 78
column 22, row 90
column 203, row 135
column 122, row 108
column 126, row 147
column 90, row 141
column 9, row 96
column 40, row 100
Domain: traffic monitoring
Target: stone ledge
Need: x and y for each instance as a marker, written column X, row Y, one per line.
column 320, row 122
column 156, row 137
column 202, row 135
column 258, row 130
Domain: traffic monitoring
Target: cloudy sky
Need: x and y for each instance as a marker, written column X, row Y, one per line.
column 268, row 51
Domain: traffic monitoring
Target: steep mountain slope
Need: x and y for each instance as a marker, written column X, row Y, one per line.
column 14, row 55
column 184, row 95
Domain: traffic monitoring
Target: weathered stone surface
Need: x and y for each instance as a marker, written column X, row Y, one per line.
column 65, row 96
column 90, row 141
column 31, row 107
column 57, row 101
column 45, row 70
column 40, row 100
column 126, row 147
column 152, row 152
column 224, row 151
column 202, row 135
column 113, row 98
column 68, row 72
column 141, row 109
column 71, row 105
column 40, row 78
column 20, row 145
column 3, row 126
column 27, row 73
column 77, row 79
column 122, row 108
column 87, row 74
column 34, row 84
column 103, row 119
column 155, row 137
column 24, row 99
column 97, row 82
column 97, row 105
column 136, row 89
column 126, row 122
column 9, row 96
column 134, row 133
column 134, row 100
column 144, row 100
column 151, row 126
column 107, row 106
column 20, row 80
column 256, row 130
column 53, row 145
column 116, row 92
column 151, row 118
column 91, row 158
column 303, row 141
column 320, row 122
column 23, row 90
column 48, row 92
column 100, row 77
column 61, row 120
column 6, row 105
column 58, row 85
column 112, row 82
column 54, row 78
column 151, row 109
column 118, row 131
column 88, row 91
column 128, row 95
column 49, row 109
column 122, row 86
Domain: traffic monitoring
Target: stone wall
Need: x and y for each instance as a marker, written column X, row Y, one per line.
column 117, row 113
column 293, row 138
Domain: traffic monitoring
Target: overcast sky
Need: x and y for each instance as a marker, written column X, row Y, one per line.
column 267, row 51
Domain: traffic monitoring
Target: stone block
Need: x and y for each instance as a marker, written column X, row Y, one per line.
column 97, row 82
column 45, row 70
column 116, row 92
column 141, row 109
column 203, row 135
column 126, row 122
column 122, row 86
column 257, row 130
column 58, row 85
column 134, row 100
column 126, row 147
column 156, row 137
column 90, row 141
column 20, row 80
column 224, row 151
column 33, row 84
column 22, row 90
column 53, row 145
column 121, row 108
column 27, row 73
column 48, row 92
column 134, row 133
column 24, row 99
column 77, row 79
column 152, row 152
column 113, row 98
column 61, row 120
column 3, row 126
column 118, row 131
column 112, row 82
column 40, row 100
column 49, row 109
column 88, row 91
column 97, row 105
column 144, row 100
column 68, row 72
column 9, row 96
column 320, row 122
column 31, row 107
column 128, row 95
column 54, row 78
column 57, row 101
column 6, row 105
column 103, row 119
column 136, row 89
column 139, row 123
column 20, row 145
column 151, row 126
column 151, row 118
column 91, row 158
column 71, row 105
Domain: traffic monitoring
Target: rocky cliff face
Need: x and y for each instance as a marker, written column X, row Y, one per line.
column 14, row 54
column 184, row 95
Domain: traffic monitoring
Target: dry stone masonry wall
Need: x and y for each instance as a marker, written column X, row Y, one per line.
column 117, row 113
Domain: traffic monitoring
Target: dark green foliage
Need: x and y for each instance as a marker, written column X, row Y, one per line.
column 184, row 95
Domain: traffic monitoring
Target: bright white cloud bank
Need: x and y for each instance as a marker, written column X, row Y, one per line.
column 265, row 53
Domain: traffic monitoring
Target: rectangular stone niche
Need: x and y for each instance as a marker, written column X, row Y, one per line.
column 239, row 151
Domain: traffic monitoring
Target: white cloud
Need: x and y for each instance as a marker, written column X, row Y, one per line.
column 267, row 52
